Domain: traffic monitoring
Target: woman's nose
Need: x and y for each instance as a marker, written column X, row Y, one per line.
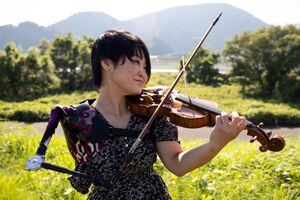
column 142, row 71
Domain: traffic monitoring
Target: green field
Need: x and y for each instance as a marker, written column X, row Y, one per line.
column 240, row 171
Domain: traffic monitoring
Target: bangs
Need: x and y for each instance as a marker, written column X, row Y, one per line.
column 138, row 51
column 135, row 50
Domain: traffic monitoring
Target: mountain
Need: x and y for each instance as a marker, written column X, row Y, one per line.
column 87, row 23
column 173, row 30
column 25, row 35
column 182, row 27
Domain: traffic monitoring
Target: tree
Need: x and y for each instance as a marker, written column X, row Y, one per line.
column 38, row 74
column 25, row 76
column 84, row 68
column 10, row 72
column 201, row 69
column 264, row 58
column 72, row 61
column 62, row 55
column 44, row 47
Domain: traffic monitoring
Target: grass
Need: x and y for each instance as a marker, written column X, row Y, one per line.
column 240, row 171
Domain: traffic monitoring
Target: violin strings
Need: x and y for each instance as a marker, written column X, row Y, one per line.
column 185, row 82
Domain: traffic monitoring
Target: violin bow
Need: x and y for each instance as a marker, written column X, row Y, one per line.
column 135, row 145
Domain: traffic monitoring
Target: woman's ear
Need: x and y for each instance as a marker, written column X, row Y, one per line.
column 106, row 64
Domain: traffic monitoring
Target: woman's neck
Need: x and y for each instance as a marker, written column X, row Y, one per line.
column 111, row 102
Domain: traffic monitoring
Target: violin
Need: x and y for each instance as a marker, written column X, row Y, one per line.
column 179, row 114
column 195, row 113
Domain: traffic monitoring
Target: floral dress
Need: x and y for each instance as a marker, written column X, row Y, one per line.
column 139, row 181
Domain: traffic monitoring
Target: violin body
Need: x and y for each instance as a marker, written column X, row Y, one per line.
column 178, row 113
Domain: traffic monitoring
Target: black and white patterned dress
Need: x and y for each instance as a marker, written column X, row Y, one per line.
column 140, row 181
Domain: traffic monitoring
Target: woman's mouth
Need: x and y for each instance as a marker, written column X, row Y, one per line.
column 139, row 81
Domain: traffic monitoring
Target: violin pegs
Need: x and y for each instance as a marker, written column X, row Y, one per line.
column 263, row 148
column 253, row 139
column 269, row 133
column 260, row 125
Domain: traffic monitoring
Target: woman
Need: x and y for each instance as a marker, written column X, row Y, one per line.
column 121, row 68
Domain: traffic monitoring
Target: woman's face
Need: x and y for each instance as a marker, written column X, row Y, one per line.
column 130, row 77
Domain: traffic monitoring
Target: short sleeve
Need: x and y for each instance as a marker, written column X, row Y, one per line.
column 164, row 130
column 82, row 185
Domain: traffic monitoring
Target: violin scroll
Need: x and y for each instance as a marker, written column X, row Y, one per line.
column 275, row 143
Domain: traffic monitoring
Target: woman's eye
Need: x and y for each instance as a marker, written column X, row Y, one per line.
column 136, row 61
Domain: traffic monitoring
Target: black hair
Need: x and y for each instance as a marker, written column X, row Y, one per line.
column 115, row 45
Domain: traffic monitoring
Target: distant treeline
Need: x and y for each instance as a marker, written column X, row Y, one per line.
column 62, row 64
column 265, row 62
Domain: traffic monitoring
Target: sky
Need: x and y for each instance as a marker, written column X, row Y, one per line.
column 47, row 12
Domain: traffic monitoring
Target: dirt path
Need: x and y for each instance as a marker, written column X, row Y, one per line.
column 184, row 133
column 204, row 133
